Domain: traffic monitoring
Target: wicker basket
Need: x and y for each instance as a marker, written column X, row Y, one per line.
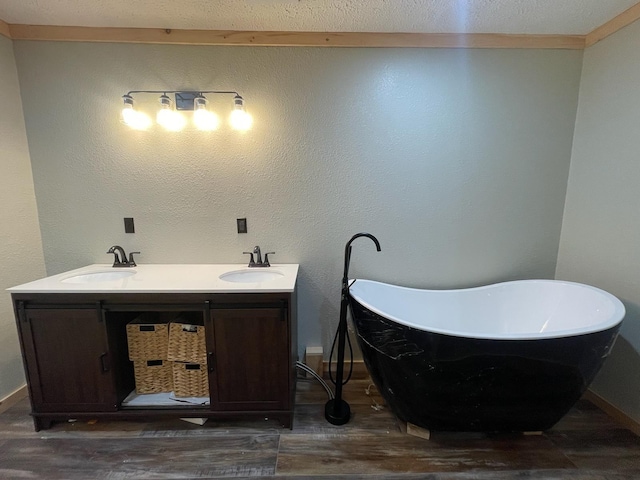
column 187, row 343
column 147, row 340
column 153, row 376
column 190, row 380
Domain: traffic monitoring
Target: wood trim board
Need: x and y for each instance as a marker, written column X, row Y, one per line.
column 292, row 39
column 316, row 39
column 359, row 369
column 4, row 29
column 613, row 411
column 612, row 26
column 13, row 398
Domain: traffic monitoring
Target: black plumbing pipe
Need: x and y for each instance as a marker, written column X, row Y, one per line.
column 336, row 410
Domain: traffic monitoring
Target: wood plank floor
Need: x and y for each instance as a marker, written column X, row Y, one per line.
column 585, row 445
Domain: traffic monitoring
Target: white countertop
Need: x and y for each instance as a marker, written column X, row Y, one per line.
column 178, row 278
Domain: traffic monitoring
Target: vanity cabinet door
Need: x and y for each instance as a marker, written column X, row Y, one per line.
column 67, row 360
column 251, row 359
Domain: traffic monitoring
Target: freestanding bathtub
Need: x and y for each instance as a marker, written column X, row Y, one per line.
column 513, row 356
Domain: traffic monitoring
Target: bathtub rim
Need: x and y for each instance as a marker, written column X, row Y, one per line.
column 615, row 319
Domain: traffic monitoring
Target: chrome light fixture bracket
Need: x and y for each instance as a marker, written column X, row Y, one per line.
column 186, row 100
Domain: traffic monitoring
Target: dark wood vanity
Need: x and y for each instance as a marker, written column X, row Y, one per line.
column 74, row 347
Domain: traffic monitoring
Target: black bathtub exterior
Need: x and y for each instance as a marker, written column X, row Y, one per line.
column 450, row 383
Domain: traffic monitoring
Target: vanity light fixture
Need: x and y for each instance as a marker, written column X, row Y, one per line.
column 170, row 115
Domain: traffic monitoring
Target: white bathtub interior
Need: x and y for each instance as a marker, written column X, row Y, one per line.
column 525, row 309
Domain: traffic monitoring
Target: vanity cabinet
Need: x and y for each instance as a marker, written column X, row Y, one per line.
column 250, row 367
column 75, row 353
column 67, row 359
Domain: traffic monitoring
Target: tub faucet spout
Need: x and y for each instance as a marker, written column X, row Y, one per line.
column 347, row 258
column 336, row 410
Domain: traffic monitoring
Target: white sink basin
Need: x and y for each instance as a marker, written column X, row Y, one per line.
column 256, row 275
column 104, row 276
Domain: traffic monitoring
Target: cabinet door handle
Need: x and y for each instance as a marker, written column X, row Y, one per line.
column 104, row 363
column 210, row 360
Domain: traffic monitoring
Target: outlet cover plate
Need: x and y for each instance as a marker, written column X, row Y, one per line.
column 128, row 225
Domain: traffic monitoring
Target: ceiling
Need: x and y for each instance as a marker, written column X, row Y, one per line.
column 566, row 17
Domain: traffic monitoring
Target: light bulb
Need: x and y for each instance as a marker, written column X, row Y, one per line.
column 140, row 121
column 169, row 118
column 133, row 118
column 203, row 118
column 206, row 120
column 129, row 115
column 239, row 118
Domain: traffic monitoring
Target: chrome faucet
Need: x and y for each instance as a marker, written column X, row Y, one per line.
column 124, row 262
column 258, row 260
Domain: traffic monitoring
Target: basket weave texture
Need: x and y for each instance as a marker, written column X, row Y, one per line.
column 190, row 380
column 187, row 343
column 153, row 376
column 148, row 341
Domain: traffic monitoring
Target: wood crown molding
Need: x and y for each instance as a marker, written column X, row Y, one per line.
column 4, row 29
column 612, row 26
column 297, row 39
column 316, row 39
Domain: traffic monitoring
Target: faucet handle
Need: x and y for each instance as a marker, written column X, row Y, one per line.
column 252, row 262
column 266, row 259
column 132, row 262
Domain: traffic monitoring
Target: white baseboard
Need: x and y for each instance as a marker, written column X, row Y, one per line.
column 10, row 400
column 313, row 359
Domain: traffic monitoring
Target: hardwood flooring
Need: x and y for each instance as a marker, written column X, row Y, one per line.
column 585, row 445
